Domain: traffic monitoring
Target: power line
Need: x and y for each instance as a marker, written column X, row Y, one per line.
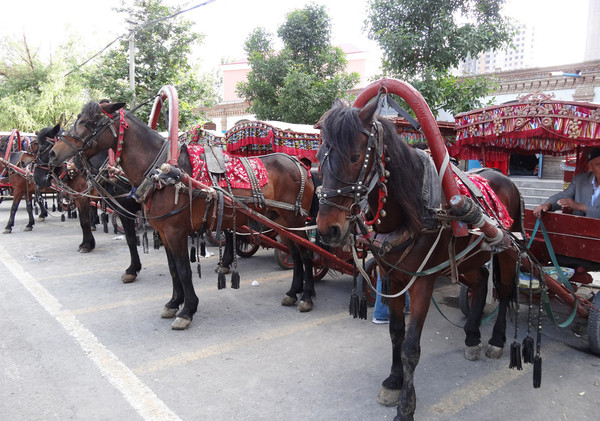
column 135, row 29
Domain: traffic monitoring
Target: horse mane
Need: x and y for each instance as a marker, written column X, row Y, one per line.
column 342, row 124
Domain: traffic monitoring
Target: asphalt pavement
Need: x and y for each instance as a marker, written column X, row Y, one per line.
column 78, row 344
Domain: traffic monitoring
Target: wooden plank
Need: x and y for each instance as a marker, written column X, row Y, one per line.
column 574, row 236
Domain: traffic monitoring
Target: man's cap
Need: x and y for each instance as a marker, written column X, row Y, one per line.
column 594, row 153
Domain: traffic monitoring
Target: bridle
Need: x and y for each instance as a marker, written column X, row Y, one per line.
column 369, row 177
column 107, row 121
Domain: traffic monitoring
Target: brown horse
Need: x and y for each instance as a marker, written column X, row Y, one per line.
column 362, row 158
column 22, row 186
column 175, row 212
column 75, row 185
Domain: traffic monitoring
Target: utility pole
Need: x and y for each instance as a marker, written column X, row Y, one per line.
column 132, row 62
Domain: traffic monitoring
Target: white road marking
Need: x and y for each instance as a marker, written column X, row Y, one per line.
column 139, row 396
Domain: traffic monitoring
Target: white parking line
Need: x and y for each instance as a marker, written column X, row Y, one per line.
column 139, row 396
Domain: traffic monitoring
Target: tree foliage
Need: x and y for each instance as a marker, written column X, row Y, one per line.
column 423, row 40
column 299, row 83
column 162, row 57
column 34, row 94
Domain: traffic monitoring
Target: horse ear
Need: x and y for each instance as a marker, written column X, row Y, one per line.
column 54, row 131
column 110, row 108
column 368, row 111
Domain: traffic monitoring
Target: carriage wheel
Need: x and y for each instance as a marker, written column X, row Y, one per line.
column 116, row 222
column 211, row 237
column 372, row 270
column 284, row 260
column 594, row 326
column 245, row 248
column 465, row 299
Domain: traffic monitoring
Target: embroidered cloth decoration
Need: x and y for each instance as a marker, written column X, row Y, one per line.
column 238, row 177
column 254, row 138
column 491, row 203
column 535, row 124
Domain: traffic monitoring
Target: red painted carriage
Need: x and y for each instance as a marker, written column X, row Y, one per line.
column 537, row 124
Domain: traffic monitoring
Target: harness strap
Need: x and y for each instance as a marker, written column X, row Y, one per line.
column 257, row 195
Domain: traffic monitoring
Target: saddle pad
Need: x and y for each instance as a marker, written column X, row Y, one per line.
column 235, row 170
column 491, row 203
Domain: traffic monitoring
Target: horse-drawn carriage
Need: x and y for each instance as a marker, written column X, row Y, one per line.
column 537, row 124
column 452, row 234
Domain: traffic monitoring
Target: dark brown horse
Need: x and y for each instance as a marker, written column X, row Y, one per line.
column 175, row 212
column 362, row 157
column 22, row 186
column 75, row 186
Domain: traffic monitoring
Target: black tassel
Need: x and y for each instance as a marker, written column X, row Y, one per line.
column 156, row 241
column 537, row 371
column 515, row 356
column 137, row 240
column 36, row 210
column 145, row 242
column 193, row 254
column 235, row 279
column 53, row 207
column 105, row 222
column 354, row 305
column 68, row 214
column 199, row 269
column 62, row 218
column 202, row 248
column 385, row 289
column 528, row 350
column 362, row 308
column 74, row 214
column 221, row 282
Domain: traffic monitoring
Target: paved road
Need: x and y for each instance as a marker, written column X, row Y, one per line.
column 78, row 344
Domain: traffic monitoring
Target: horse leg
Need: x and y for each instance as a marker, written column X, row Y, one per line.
column 29, row 207
column 290, row 297
column 172, row 306
column 420, row 296
column 504, row 273
column 477, row 281
column 308, row 293
column 391, row 387
column 13, row 211
column 43, row 211
column 130, row 236
column 88, row 243
column 181, row 274
column 225, row 263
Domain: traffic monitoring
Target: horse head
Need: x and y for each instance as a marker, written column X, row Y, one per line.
column 369, row 175
column 43, row 143
column 89, row 134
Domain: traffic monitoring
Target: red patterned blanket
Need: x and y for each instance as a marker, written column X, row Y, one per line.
column 492, row 204
column 235, row 170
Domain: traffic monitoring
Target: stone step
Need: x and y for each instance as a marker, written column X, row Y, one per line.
column 535, row 191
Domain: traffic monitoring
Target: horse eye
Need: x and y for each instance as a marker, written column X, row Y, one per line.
column 354, row 158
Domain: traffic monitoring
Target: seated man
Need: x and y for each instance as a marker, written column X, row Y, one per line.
column 581, row 195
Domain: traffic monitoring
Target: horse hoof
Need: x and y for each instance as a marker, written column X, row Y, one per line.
column 388, row 397
column 7, row 231
column 84, row 250
column 92, row 228
column 288, row 301
column 493, row 352
column 168, row 313
column 128, row 278
column 472, row 352
column 41, row 219
column 305, row 306
column 28, row 229
column 180, row 323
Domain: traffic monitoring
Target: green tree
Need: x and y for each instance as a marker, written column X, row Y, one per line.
column 300, row 82
column 34, row 94
column 162, row 57
column 423, row 40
